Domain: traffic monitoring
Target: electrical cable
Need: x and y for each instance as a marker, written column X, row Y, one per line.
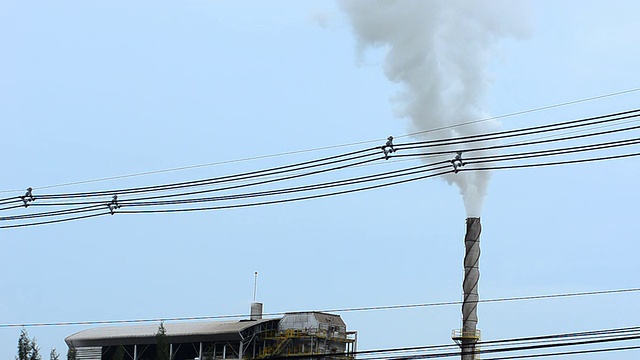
column 571, row 124
column 402, row 147
column 517, row 113
column 578, row 161
column 282, row 201
column 362, row 179
column 329, row 310
column 384, row 175
column 529, row 143
column 269, row 171
column 52, row 221
column 325, row 165
column 217, row 189
column 511, row 349
column 576, row 352
column 538, row 109
column 518, row 345
column 332, row 193
column 492, row 136
column 54, row 213
column 551, row 152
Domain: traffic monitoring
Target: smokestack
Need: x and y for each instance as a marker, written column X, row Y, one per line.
column 469, row 335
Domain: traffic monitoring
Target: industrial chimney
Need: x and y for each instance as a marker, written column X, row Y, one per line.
column 468, row 336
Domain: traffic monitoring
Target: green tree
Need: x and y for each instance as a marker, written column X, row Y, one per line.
column 119, row 354
column 71, row 352
column 27, row 349
column 24, row 346
column 53, row 355
column 162, row 347
column 208, row 354
column 35, row 351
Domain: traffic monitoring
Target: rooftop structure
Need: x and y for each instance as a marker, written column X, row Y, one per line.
column 319, row 335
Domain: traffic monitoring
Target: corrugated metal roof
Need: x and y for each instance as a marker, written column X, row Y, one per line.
column 141, row 334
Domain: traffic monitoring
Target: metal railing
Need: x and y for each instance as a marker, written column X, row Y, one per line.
column 459, row 334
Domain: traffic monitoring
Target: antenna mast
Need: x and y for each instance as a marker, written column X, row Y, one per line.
column 255, row 285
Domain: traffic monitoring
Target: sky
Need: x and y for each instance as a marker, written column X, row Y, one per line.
column 90, row 90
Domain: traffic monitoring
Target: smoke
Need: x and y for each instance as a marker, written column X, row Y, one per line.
column 438, row 52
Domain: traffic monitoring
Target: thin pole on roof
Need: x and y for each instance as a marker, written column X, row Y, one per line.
column 255, row 285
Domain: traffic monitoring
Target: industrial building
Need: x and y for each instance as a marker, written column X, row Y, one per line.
column 319, row 335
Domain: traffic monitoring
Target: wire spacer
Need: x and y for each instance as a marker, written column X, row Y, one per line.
column 27, row 197
column 457, row 162
column 388, row 148
column 113, row 205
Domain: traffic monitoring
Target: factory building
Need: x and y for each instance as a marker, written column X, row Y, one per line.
column 321, row 336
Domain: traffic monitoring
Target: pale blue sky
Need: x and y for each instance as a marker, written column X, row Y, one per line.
column 98, row 89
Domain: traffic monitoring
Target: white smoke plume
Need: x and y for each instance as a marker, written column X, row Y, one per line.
column 438, row 51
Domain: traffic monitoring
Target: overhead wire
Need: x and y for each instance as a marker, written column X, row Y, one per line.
column 551, row 152
column 288, row 200
column 318, row 162
column 262, row 172
column 564, row 353
column 492, row 118
column 570, row 124
column 518, row 113
column 323, row 161
column 337, row 192
column 497, row 346
column 438, row 355
column 351, row 181
column 53, row 221
column 553, row 163
column 326, row 310
column 387, row 175
column 182, row 194
column 307, row 188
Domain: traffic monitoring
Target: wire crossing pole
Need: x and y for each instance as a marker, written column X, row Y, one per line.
column 469, row 335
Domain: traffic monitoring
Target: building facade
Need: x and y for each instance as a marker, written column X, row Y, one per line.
column 307, row 335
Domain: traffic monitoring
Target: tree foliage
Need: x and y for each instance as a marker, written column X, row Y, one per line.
column 119, row 354
column 27, row 349
column 53, row 355
column 71, row 353
column 24, row 346
column 162, row 346
column 35, row 351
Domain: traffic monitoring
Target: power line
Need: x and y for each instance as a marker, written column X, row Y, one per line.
column 577, row 352
column 519, row 144
column 344, row 157
column 300, row 198
column 517, row 113
column 497, row 346
column 354, row 155
column 518, row 349
column 334, row 310
column 177, row 200
column 554, row 163
column 315, row 187
column 153, row 172
column 360, row 154
column 571, row 124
